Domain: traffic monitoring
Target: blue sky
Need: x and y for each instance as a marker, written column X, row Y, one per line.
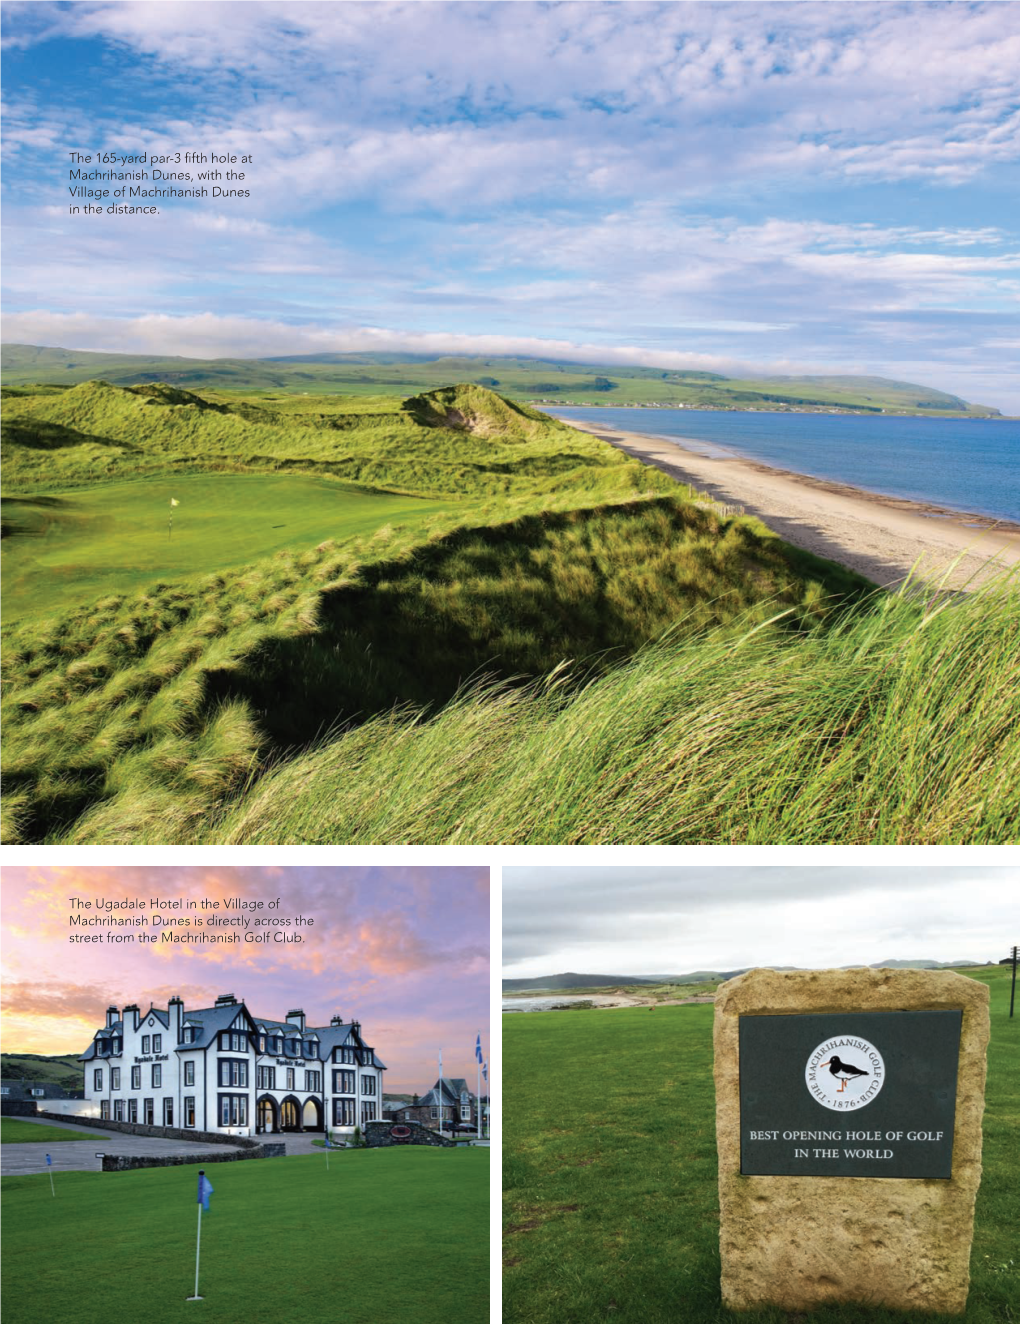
column 782, row 188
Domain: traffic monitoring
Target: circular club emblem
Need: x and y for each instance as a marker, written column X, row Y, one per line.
column 845, row 1073
column 400, row 1132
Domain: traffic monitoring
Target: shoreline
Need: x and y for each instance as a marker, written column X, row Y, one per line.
column 881, row 537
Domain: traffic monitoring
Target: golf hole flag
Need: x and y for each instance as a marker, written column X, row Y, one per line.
column 205, row 1189
column 174, row 501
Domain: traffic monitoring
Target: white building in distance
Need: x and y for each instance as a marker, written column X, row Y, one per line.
column 221, row 1069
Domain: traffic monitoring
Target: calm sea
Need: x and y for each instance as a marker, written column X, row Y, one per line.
column 970, row 465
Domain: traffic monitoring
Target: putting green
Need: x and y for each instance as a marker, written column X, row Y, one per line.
column 62, row 550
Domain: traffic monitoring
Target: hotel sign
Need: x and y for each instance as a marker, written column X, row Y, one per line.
column 865, row 1094
column 160, row 1057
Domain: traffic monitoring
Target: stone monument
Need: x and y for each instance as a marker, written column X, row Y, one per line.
column 848, row 1118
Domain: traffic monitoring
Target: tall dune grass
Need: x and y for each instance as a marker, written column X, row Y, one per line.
column 897, row 726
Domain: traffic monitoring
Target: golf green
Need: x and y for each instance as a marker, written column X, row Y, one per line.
column 65, row 549
column 382, row 1235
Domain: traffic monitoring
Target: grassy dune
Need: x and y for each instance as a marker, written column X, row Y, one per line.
column 504, row 629
column 609, row 1173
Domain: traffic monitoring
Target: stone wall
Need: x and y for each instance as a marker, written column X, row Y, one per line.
column 799, row 1242
column 157, row 1132
column 379, row 1134
column 128, row 1162
column 19, row 1108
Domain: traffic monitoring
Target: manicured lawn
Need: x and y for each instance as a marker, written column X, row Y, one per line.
column 74, row 547
column 610, row 1169
column 384, row 1236
column 13, row 1132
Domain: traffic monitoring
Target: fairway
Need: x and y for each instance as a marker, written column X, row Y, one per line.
column 70, row 548
column 609, row 1172
column 384, row 1235
column 13, row 1132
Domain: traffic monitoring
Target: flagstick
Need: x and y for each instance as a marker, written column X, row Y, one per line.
column 198, row 1248
column 52, row 1191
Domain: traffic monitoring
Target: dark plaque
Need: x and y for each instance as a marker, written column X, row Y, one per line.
column 866, row 1094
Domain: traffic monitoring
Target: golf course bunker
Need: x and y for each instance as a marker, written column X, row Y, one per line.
column 65, row 549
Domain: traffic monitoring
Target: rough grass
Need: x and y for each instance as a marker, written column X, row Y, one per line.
column 900, row 725
column 383, row 1235
column 609, row 1173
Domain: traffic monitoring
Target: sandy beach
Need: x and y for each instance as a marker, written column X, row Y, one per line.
column 880, row 537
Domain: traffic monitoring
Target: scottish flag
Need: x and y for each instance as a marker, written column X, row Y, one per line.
column 485, row 1071
column 205, row 1189
column 478, row 1048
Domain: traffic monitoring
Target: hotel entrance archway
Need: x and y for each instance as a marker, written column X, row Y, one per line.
column 290, row 1115
column 265, row 1114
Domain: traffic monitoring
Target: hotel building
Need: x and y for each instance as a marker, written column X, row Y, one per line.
column 220, row 1068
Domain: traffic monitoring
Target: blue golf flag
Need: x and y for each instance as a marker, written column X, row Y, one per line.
column 49, row 1161
column 205, row 1189
column 326, row 1138
column 478, row 1047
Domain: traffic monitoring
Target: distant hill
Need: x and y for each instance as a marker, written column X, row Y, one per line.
column 573, row 980
column 64, row 1069
column 535, row 380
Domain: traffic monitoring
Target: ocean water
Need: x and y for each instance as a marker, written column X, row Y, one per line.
column 969, row 465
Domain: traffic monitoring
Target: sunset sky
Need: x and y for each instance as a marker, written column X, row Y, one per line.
column 732, row 187
column 403, row 950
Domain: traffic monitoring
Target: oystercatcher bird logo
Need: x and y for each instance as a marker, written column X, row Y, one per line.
column 844, row 1073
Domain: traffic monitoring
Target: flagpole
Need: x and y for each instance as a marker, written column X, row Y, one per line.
column 478, row 1087
column 198, row 1243
column 440, row 1091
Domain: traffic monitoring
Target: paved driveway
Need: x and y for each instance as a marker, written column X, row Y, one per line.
column 80, row 1155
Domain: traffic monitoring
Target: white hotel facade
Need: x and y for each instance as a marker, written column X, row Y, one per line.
column 221, row 1069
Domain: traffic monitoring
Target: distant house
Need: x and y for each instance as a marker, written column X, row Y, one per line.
column 442, row 1108
column 15, row 1095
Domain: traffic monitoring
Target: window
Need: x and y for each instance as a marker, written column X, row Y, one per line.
column 168, row 1112
column 37, row 1094
column 146, row 1044
column 343, row 1082
column 157, row 1043
column 313, row 1080
column 368, row 1111
column 274, row 1044
column 368, row 1084
column 343, row 1055
column 262, row 1043
column 104, row 1111
column 115, row 1078
column 97, row 1080
column 189, row 1073
column 118, row 1110
column 433, row 1113
column 148, row 1112
column 189, row 1034
column 465, row 1112
column 136, row 1078
column 290, row 1078
column 132, row 1110
column 343, row 1112
column 189, row 1112
column 309, row 1048
column 233, row 1072
column 5, row 1089
column 233, row 1110
column 267, row 1078
column 157, row 1076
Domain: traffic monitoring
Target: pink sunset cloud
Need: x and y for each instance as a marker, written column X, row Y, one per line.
column 405, row 951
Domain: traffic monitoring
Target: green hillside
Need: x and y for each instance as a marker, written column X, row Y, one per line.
column 532, row 380
column 64, row 1069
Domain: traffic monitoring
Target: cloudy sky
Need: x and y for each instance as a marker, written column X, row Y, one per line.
column 619, row 920
column 405, row 951
column 785, row 187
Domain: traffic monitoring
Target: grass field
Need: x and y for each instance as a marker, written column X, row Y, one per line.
column 384, row 1235
column 610, row 1168
column 67, row 548
column 13, row 1132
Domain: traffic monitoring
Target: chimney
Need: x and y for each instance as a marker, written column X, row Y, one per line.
column 225, row 1000
column 337, row 1020
column 112, row 1014
column 175, row 1009
column 297, row 1017
column 132, row 1007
